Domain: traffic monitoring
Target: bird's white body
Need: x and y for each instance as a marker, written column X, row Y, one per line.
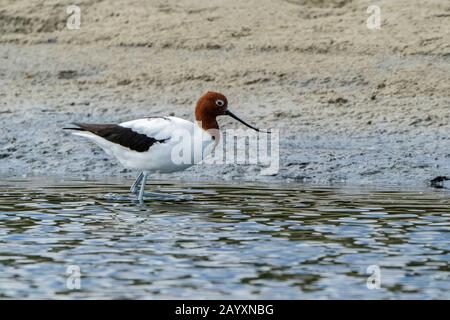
column 183, row 144
column 162, row 145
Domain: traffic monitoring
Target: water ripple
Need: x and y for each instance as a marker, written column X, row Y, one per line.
column 221, row 241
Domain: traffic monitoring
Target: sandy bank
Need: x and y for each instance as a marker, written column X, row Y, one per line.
column 353, row 105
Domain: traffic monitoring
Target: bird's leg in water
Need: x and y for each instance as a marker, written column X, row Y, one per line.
column 144, row 181
column 135, row 185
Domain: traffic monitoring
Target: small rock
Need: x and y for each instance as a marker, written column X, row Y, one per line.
column 124, row 82
column 381, row 85
column 67, row 74
column 339, row 100
column 439, row 181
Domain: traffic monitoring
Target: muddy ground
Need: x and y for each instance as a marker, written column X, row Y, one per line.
column 354, row 105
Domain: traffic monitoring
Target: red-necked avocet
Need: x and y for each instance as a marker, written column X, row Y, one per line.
column 148, row 144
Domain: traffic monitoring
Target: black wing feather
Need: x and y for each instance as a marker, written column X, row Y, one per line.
column 124, row 136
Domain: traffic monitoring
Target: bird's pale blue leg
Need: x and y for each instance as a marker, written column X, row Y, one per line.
column 135, row 185
column 144, row 181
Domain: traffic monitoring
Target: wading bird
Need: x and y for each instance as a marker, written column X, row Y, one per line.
column 152, row 144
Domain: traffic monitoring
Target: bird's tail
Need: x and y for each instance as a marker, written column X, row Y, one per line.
column 76, row 129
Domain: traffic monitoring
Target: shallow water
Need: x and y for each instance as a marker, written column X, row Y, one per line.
column 221, row 241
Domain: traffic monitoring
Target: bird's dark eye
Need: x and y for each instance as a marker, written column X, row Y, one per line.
column 220, row 103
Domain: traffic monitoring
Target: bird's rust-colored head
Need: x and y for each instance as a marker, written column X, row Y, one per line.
column 211, row 105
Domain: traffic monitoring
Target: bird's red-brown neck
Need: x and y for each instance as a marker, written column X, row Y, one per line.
column 205, row 119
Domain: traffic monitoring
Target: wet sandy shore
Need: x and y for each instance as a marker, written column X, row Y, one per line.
column 353, row 105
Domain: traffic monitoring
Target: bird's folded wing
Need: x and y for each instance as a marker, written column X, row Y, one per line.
column 138, row 135
column 158, row 128
column 117, row 134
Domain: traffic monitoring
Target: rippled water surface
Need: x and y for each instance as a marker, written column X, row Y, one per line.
column 221, row 241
